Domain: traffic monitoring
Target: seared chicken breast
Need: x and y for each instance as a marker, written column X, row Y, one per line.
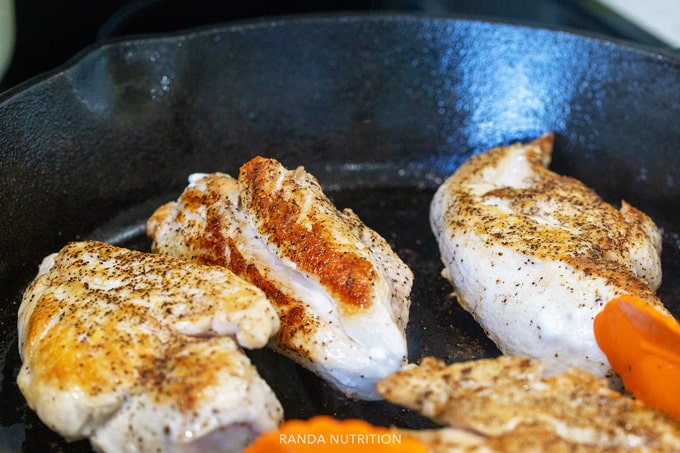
column 341, row 292
column 141, row 352
column 506, row 404
column 534, row 255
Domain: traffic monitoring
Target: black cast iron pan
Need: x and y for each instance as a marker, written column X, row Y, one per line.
column 379, row 108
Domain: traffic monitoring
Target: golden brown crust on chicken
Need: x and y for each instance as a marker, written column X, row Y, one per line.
column 112, row 338
column 306, row 231
column 341, row 292
column 508, row 402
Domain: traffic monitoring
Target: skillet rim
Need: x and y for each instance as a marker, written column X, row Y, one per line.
column 285, row 20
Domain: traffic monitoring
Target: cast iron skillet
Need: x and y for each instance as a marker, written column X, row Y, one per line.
column 379, row 108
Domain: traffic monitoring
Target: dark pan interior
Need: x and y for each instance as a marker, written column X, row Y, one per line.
column 379, row 108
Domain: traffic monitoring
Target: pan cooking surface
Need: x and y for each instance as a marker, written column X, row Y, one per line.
column 380, row 109
column 438, row 326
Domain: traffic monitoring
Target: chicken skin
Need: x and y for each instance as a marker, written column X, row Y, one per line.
column 507, row 404
column 341, row 292
column 534, row 255
column 141, row 352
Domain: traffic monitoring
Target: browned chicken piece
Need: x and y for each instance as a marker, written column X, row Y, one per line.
column 341, row 292
column 140, row 352
column 534, row 255
column 509, row 405
column 523, row 439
